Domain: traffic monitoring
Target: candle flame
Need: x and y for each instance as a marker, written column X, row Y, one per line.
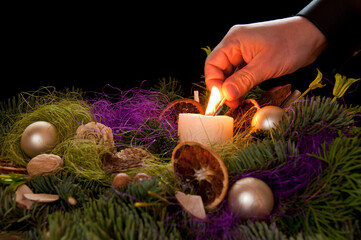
column 213, row 101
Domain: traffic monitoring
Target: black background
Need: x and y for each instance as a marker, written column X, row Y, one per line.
column 90, row 46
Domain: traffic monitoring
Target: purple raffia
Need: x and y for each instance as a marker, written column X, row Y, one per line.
column 286, row 182
column 128, row 111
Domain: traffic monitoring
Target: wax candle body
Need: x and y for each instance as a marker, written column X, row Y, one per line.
column 204, row 129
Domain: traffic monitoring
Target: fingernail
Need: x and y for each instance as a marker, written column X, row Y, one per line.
column 231, row 91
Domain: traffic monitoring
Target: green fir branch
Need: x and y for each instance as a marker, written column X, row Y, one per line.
column 311, row 116
column 260, row 230
column 335, row 201
column 114, row 218
column 261, row 155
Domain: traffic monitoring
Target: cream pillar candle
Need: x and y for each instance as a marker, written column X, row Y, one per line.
column 204, row 129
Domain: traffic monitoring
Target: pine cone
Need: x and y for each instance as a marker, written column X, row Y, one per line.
column 124, row 160
column 97, row 132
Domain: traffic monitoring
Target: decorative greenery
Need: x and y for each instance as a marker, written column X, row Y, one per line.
column 311, row 116
column 66, row 112
column 337, row 191
column 317, row 83
column 342, row 83
column 115, row 217
column 207, row 49
column 311, row 161
column 261, row 155
column 170, row 87
column 83, row 157
column 13, row 180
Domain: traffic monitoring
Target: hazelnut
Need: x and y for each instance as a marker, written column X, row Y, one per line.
column 72, row 201
column 121, row 180
column 140, row 177
column 44, row 164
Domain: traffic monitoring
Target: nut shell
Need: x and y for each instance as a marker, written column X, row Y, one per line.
column 99, row 133
column 42, row 197
column 21, row 201
column 44, row 164
column 192, row 204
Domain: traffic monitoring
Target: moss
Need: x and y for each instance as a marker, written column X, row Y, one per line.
column 66, row 115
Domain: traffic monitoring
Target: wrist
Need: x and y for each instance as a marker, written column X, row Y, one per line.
column 311, row 34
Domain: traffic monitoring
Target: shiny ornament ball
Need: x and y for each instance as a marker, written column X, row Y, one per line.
column 250, row 198
column 267, row 117
column 39, row 137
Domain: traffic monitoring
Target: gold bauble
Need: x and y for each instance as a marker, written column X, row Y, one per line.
column 39, row 137
column 267, row 117
column 250, row 198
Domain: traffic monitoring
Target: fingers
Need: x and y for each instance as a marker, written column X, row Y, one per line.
column 221, row 63
column 240, row 82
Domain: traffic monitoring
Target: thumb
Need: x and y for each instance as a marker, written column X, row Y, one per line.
column 243, row 80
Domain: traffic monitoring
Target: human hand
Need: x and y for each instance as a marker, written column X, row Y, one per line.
column 250, row 54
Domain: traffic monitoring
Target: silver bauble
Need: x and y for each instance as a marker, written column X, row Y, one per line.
column 39, row 137
column 250, row 198
column 267, row 117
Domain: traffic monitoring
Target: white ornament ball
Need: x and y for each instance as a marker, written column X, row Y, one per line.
column 267, row 118
column 39, row 137
column 250, row 198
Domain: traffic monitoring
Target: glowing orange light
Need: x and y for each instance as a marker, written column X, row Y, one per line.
column 213, row 101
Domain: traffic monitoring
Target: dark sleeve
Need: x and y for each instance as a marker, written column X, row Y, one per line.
column 338, row 20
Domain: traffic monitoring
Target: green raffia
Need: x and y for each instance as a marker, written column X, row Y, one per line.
column 66, row 113
column 342, row 83
column 170, row 87
column 83, row 157
column 313, row 85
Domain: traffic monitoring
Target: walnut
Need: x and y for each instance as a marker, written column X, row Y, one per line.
column 44, row 164
column 97, row 132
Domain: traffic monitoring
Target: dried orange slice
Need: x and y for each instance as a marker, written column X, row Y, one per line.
column 201, row 171
column 184, row 105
